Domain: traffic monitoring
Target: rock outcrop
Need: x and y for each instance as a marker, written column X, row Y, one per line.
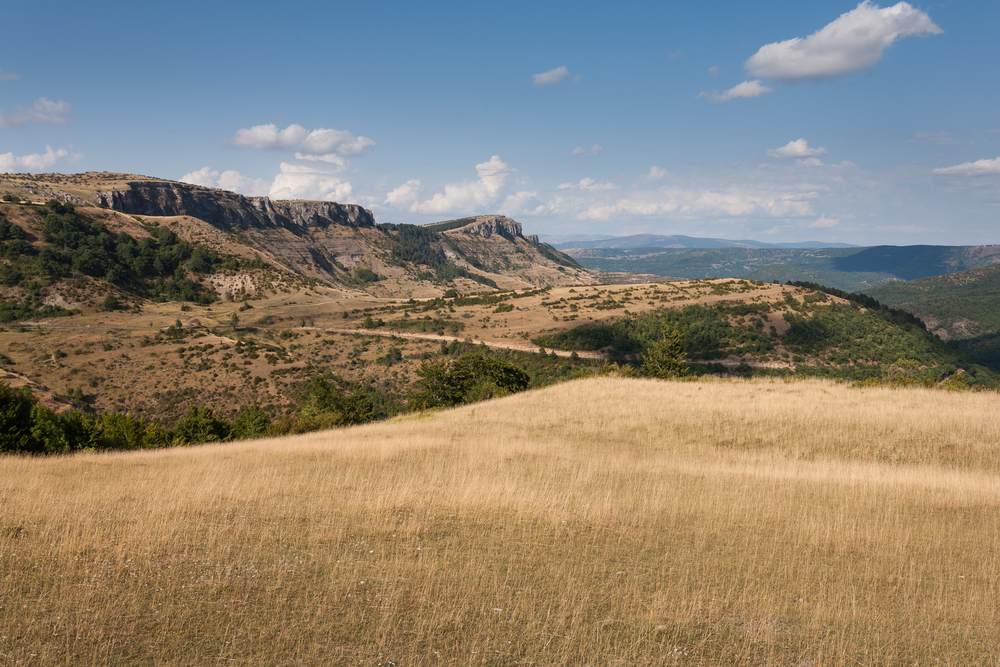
column 228, row 210
column 488, row 225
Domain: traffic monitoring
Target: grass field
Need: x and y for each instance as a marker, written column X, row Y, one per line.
column 603, row 521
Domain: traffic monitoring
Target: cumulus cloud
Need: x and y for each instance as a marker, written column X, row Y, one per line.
column 42, row 112
column 713, row 70
column 320, row 143
column 406, row 195
column 294, row 182
column 307, row 182
column 977, row 168
column 10, row 163
column 853, row 42
column 7, row 76
column 655, row 173
column 523, row 203
column 468, row 197
column 745, row 90
column 552, row 76
column 797, row 148
column 580, row 151
column 809, row 162
column 230, row 180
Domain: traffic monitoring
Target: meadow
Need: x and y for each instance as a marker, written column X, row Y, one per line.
column 596, row 522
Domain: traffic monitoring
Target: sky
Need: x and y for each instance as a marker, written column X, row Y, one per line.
column 781, row 121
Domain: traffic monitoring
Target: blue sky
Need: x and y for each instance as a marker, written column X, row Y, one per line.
column 780, row 121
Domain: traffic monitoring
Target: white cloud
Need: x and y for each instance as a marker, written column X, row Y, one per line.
column 320, row 143
column 234, row 181
column 580, row 151
column 7, row 76
column 809, row 162
column 851, row 43
column 797, row 148
column 977, row 168
column 10, row 163
column 230, row 180
column 552, row 76
column 406, row 195
column 713, row 70
column 204, row 177
column 655, row 173
column 522, row 203
column 42, row 112
column 745, row 90
column 294, row 182
column 469, row 197
column 307, row 182
column 824, row 222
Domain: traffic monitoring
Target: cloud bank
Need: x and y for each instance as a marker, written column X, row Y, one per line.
column 853, row 42
column 293, row 182
column 10, row 163
column 469, row 196
column 977, row 168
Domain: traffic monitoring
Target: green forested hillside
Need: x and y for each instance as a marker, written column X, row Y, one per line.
column 821, row 336
column 961, row 305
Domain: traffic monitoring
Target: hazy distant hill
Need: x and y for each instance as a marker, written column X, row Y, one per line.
column 679, row 241
column 852, row 269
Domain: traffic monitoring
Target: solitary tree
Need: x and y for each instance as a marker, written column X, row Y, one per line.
column 665, row 358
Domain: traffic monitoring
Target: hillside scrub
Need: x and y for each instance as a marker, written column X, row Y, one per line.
column 603, row 521
column 329, row 401
column 160, row 267
column 857, row 340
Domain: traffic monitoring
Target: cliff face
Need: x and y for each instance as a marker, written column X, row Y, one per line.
column 489, row 225
column 229, row 210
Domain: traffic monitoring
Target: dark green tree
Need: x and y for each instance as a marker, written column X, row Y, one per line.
column 665, row 357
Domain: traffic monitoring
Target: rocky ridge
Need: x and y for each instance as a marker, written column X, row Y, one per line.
column 229, row 210
column 499, row 225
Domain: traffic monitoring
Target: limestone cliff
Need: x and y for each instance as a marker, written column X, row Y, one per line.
column 489, row 225
column 229, row 210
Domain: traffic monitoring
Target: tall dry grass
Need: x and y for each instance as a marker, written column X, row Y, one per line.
column 606, row 521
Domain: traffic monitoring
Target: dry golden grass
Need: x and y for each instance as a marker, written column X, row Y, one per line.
column 605, row 521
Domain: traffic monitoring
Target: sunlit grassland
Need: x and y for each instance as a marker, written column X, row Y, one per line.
column 604, row 521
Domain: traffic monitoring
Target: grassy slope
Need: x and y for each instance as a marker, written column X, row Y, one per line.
column 596, row 522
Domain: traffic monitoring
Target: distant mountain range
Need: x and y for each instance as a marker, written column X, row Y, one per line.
column 676, row 241
column 855, row 269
